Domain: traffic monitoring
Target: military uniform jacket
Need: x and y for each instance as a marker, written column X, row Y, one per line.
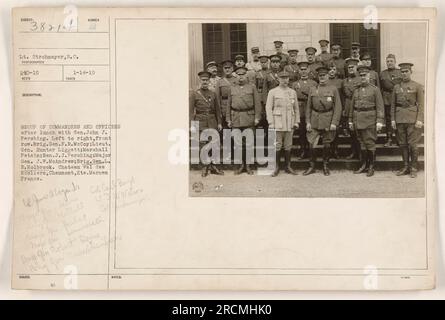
column 213, row 82
column 407, row 103
column 323, row 107
column 340, row 66
column 282, row 109
column 260, row 79
column 367, row 107
column 270, row 82
column 388, row 79
column 294, row 72
column 302, row 87
column 374, row 78
column 223, row 92
column 204, row 107
column 348, row 88
column 245, row 106
column 313, row 74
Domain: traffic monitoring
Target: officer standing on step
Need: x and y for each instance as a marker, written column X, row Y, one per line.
column 323, row 112
column 283, row 116
column 366, row 119
column 407, row 108
column 245, row 113
column 204, row 108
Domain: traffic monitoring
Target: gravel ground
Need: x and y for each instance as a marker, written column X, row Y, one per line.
column 340, row 184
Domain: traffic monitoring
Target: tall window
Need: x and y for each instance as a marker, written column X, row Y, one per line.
column 223, row 41
column 346, row 33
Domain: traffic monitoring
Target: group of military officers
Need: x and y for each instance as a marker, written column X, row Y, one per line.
column 320, row 97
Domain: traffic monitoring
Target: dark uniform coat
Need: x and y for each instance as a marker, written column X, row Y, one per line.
column 340, row 66
column 271, row 82
column 245, row 106
column 223, row 92
column 388, row 79
column 302, row 88
column 323, row 107
column 407, row 102
column 349, row 85
column 313, row 74
column 260, row 79
column 374, row 78
column 294, row 72
column 367, row 107
column 204, row 107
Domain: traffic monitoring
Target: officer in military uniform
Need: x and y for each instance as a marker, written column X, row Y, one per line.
column 302, row 87
column 212, row 68
column 338, row 60
column 323, row 112
column 388, row 79
column 255, row 63
column 223, row 89
column 245, row 113
column 373, row 75
column 355, row 51
column 366, row 119
column 338, row 83
column 279, row 51
column 283, row 116
column 272, row 80
column 313, row 65
column 350, row 83
column 204, row 108
column 260, row 79
column 407, row 109
column 241, row 63
column 292, row 67
column 324, row 55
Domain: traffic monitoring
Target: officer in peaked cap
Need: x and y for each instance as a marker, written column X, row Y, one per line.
column 338, row 60
column 278, row 44
column 366, row 119
column 245, row 113
column 388, row 79
column 355, row 50
column 223, row 88
column 350, row 83
column 323, row 112
column 407, row 110
column 283, row 116
column 212, row 67
column 254, row 64
column 313, row 64
column 205, row 110
column 324, row 55
column 292, row 67
column 272, row 75
column 366, row 60
column 302, row 87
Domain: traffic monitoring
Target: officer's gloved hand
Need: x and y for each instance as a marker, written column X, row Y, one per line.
column 297, row 125
column 393, row 125
column 219, row 127
column 308, row 127
column 229, row 124
column 333, row 127
column 351, row 126
column 379, row 126
column 419, row 124
column 256, row 122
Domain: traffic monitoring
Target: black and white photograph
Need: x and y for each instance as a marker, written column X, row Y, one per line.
column 307, row 109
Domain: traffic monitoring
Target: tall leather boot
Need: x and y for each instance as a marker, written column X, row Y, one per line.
column 215, row 170
column 364, row 162
column 311, row 168
column 326, row 151
column 277, row 163
column 371, row 158
column 405, row 158
column 413, row 164
column 288, row 168
column 355, row 147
